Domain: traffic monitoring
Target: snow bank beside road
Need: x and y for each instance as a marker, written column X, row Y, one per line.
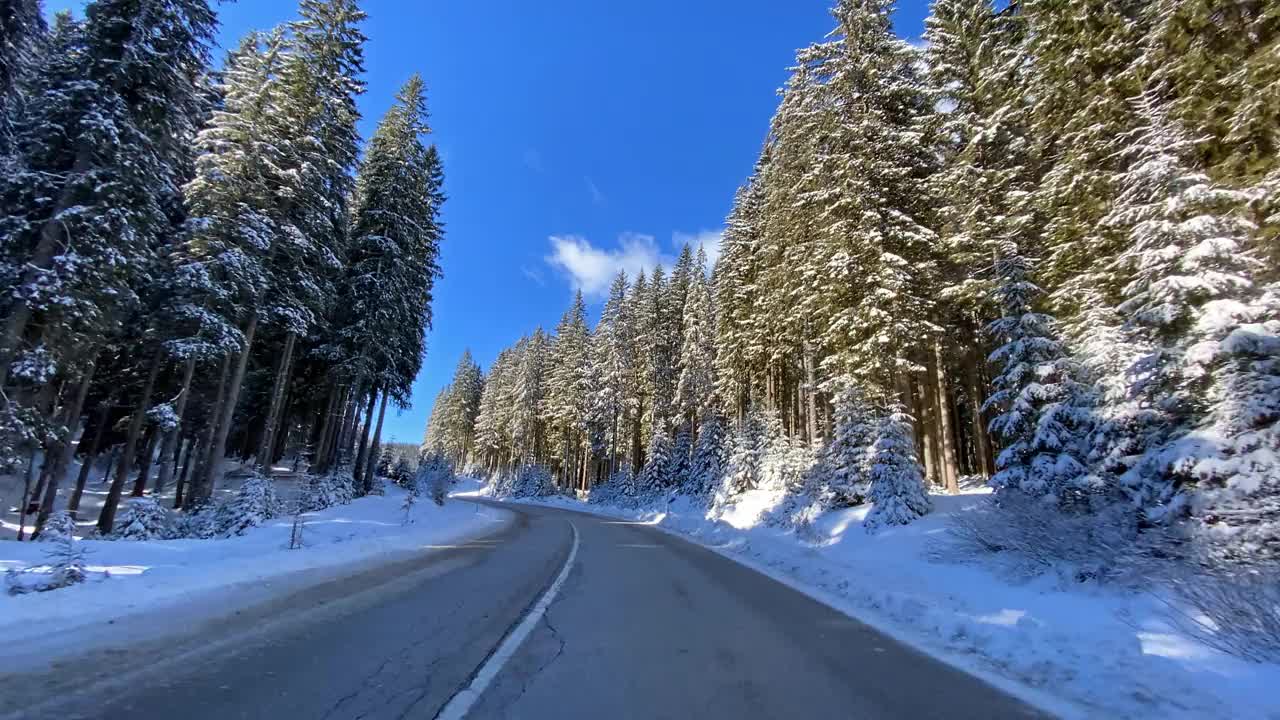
column 187, row 576
column 1077, row 650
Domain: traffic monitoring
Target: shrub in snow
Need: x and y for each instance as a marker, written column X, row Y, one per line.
column 1032, row 536
column 378, row 485
column 746, row 459
column 322, row 491
column 143, row 519
column 253, row 504
column 897, row 483
column 410, row 499
column 66, row 563
column 1232, row 609
column 164, row 416
column 59, row 525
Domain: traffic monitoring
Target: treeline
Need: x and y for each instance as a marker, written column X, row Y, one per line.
column 1043, row 250
column 199, row 261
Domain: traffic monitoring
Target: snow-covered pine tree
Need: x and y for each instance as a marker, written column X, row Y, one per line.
column 233, row 225
column 143, row 519
column 22, row 32
column 710, row 458
column 1043, row 414
column 320, row 78
column 123, row 84
column 614, row 354
column 881, row 255
column 566, row 406
column 847, row 456
column 897, row 485
column 1208, row 377
column 695, row 391
column 253, row 504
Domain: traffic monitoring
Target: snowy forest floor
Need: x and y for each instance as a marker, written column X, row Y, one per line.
column 1076, row 649
column 157, row 587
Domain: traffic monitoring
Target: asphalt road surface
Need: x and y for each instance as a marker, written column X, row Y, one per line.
column 644, row 625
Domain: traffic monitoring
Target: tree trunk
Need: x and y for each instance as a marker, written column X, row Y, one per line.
column 978, row 427
column 321, row 449
column 95, row 445
column 926, row 424
column 372, row 463
column 357, row 470
column 147, row 457
column 811, row 382
column 191, row 450
column 218, row 448
column 26, row 494
column 107, row 518
column 65, row 452
column 949, row 469
column 196, row 482
column 267, row 448
column 168, row 448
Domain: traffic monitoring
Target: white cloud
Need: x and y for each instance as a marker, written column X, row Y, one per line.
column 591, row 269
column 709, row 239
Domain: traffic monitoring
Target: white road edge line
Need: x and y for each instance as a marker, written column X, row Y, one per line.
column 460, row 704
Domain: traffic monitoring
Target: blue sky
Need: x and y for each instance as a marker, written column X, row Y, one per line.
column 577, row 136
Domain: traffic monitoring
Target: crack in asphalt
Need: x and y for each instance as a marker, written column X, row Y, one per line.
column 524, row 686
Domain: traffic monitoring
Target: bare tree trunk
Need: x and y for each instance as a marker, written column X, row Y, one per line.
column 227, row 410
column 196, row 482
column 168, row 456
column 267, row 448
column 64, row 448
column 926, row 388
column 321, row 450
column 107, row 518
column 26, row 494
column 95, row 446
column 949, row 469
column 357, row 469
column 372, row 463
column 192, row 450
column 147, row 457
column 811, row 382
column 979, row 426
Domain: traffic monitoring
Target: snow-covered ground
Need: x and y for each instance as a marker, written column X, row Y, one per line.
column 1077, row 650
column 175, row 581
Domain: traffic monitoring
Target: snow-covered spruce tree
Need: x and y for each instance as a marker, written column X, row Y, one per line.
column 1209, row 373
column 234, row 223
column 658, row 473
column 614, row 351
column 143, row 519
column 22, row 32
column 566, row 407
column 458, row 410
column 847, row 457
column 897, row 485
column 695, row 390
column 385, row 308
column 320, row 81
column 745, row 468
column 876, row 252
column 122, row 85
column 710, row 457
column 402, row 473
column 253, row 504
column 1043, row 415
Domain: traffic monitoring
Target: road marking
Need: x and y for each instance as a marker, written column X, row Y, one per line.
column 460, row 704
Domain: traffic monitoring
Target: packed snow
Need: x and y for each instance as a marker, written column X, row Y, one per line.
column 151, row 577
